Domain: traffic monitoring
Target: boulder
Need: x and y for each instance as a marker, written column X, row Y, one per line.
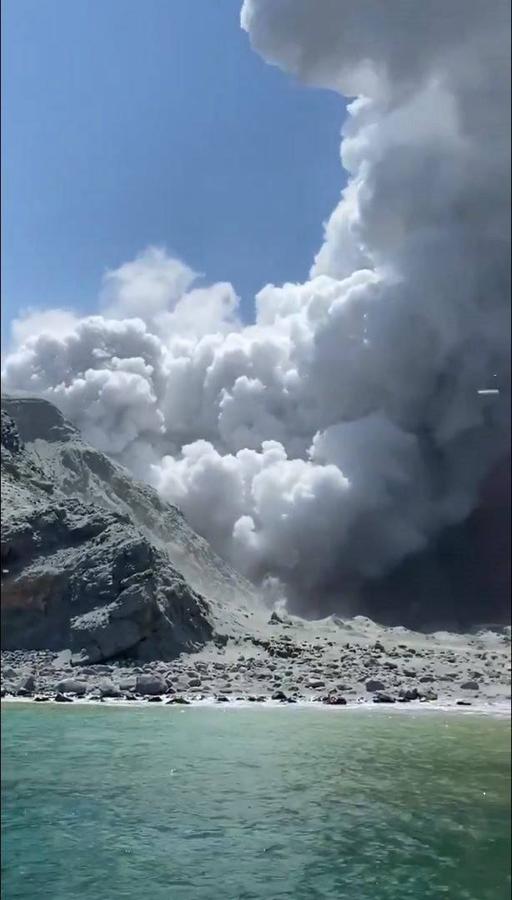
column 61, row 698
column 108, row 689
column 406, row 695
column 470, row 686
column 72, row 686
column 62, row 660
column 279, row 695
column 335, row 700
column 374, row 685
column 26, row 686
column 96, row 670
column 148, row 685
column 429, row 695
column 9, row 672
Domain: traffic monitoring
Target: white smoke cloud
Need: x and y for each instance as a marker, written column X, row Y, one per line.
column 35, row 322
column 342, row 430
column 150, row 285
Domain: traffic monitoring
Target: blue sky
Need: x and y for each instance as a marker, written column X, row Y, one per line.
column 136, row 122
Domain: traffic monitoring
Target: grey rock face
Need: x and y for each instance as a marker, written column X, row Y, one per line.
column 85, row 560
column 79, row 470
column 84, row 578
column 11, row 442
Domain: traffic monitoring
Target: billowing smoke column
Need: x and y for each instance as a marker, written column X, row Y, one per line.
column 341, row 434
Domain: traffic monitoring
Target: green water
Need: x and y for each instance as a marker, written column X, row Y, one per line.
column 244, row 804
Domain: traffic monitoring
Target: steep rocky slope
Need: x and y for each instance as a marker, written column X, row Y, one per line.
column 94, row 561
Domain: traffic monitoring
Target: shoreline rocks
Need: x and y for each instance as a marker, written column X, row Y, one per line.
column 322, row 671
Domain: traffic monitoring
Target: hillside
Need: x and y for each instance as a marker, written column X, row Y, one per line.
column 94, row 560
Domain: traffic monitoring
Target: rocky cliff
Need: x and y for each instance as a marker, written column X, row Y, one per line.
column 94, row 561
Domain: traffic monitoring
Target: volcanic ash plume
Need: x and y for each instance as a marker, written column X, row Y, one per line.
column 342, row 432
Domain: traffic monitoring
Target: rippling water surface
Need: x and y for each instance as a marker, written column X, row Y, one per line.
column 245, row 804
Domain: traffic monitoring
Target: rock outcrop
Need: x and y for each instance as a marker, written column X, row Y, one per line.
column 94, row 561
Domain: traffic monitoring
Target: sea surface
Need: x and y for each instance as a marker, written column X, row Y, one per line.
column 101, row 803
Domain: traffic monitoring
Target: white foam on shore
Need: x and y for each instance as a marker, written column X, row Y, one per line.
column 497, row 710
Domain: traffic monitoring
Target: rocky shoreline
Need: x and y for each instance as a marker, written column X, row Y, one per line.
column 285, row 668
column 499, row 710
column 96, row 563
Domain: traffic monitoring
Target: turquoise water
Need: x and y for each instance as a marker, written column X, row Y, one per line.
column 244, row 804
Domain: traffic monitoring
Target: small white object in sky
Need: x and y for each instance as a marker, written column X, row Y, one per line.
column 486, row 391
